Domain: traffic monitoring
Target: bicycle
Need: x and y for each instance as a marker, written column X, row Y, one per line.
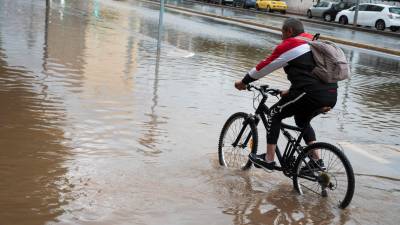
column 239, row 138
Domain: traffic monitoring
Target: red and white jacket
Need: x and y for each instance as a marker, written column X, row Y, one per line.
column 289, row 49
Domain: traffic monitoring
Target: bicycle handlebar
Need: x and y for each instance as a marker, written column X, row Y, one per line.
column 264, row 90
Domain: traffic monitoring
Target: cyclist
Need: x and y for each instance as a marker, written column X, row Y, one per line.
column 305, row 95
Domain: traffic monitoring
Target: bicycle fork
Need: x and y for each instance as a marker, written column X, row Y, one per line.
column 250, row 119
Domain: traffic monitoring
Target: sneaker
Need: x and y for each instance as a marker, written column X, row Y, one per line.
column 262, row 156
column 259, row 161
column 314, row 166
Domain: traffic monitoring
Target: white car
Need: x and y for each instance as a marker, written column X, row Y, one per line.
column 374, row 15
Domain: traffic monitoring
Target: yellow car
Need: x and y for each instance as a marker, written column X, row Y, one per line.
column 271, row 6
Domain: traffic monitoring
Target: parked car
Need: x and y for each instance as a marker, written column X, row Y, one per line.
column 374, row 15
column 245, row 3
column 223, row 2
column 227, row 2
column 327, row 10
column 271, row 5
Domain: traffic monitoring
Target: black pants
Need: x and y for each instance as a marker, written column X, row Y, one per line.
column 302, row 106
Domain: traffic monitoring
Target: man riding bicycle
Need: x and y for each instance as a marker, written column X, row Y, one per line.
column 306, row 95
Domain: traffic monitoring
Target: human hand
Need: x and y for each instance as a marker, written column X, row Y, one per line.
column 240, row 85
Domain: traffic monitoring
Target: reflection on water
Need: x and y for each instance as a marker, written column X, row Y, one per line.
column 253, row 198
column 150, row 137
column 33, row 186
column 370, row 100
column 96, row 127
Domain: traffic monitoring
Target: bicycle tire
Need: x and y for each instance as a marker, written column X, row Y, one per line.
column 325, row 175
column 244, row 151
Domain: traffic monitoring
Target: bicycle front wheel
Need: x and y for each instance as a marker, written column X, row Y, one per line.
column 237, row 140
column 324, row 169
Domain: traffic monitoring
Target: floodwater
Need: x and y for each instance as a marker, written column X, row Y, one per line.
column 96, row 129
column 390, row 42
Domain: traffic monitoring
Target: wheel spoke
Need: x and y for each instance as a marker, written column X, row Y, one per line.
column 236, row 156
column 333, row 178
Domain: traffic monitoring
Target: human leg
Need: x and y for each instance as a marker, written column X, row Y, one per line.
column 303, row 120
column 286, row 107
column 276, row 115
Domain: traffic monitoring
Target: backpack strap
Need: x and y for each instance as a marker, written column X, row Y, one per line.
column 316, row 36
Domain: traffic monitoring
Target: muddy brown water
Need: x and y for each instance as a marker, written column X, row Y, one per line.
column 95, row 130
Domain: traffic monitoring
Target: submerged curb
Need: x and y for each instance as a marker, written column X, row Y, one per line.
column 308, row 20
column 242, row 22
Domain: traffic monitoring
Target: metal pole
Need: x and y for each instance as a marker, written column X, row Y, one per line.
column 356, row 13
column 46, row 35
column 160, row 25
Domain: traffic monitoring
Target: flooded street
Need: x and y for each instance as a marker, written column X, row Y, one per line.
column 96, row 129
column 276, row 20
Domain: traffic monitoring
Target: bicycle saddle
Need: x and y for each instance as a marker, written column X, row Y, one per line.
column 321, row 110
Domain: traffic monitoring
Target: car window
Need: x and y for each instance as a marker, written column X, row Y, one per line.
column 362, row 8
column 322, row 4
column 374, row 8
column 335, row 6
column 348, row 5
column 394, row 10
column 378, row 8
column 343, row 5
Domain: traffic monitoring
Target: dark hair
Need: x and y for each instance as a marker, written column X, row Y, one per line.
column 294, row 24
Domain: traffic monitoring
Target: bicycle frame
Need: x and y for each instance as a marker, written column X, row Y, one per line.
column 304, row 164
column 293, row 146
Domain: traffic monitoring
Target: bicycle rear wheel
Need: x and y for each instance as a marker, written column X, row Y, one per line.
column 333, row 177
column 237, row 140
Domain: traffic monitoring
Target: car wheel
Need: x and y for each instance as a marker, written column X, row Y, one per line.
column 343, row 20
column 283, row 12
column 380, row 25
column 257, row 8
column 328, row 17
column 309, row 15
column 394, row 29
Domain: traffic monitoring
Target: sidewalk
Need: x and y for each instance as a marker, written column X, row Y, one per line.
column 304, row 18
column 380, row 42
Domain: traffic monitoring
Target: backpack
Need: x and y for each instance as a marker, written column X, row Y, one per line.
column 330, row 60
